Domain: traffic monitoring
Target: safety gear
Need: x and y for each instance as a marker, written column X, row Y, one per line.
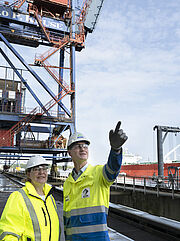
column 88, row 219
column 81, row 146
column 27, row 217
column 40, row 168
column 36, row 161
column 76, row 137
column 117, row 137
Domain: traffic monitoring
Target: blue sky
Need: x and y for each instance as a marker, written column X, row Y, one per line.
column 128, row 71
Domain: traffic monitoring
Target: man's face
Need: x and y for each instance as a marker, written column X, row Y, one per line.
column 79, row 152
column 38, row 174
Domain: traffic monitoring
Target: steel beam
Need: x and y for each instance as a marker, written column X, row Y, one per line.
column 23, row 80
column 72, row 54
column 38, row 129
column 160, row 141
column 160, row 153
column 33, row 73
column 61, row 64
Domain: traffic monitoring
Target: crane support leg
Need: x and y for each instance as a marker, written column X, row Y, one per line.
column 61, row 73
column 160, row 153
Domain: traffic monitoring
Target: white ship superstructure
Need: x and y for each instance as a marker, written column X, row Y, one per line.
column 129, row 158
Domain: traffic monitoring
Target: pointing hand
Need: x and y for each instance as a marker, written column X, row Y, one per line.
column 117, row 137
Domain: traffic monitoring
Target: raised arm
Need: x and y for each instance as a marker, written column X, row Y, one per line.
column 117, row 138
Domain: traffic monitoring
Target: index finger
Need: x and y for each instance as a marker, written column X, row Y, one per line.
column 118, row 126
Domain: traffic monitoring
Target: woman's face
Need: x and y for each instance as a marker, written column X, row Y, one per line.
column 38, row 175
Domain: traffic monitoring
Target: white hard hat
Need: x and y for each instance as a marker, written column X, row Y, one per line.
column 76, row 137
column 36, row 161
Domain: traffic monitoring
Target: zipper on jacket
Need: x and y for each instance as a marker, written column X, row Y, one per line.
column 50, row 192
column 49, row 220
column 44, row 216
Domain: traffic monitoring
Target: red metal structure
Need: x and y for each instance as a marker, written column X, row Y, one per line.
column 61, row 25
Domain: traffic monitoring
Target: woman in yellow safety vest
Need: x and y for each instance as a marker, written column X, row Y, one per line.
column 31, row 213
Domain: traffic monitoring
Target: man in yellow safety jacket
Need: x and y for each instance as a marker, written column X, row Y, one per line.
column 30, row 213
column 86, row 190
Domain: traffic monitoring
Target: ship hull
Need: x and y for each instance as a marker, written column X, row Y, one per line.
column 142, row 170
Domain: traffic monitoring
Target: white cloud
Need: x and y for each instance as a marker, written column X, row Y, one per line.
column 129, row 71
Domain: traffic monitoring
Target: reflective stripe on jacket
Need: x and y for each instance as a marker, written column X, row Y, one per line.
column 86, row 202
column 26, row 217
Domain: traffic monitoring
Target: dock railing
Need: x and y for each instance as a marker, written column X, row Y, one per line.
column 149, row 184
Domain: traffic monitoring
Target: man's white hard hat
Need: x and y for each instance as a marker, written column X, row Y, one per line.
column 76, row 137
column 36, row 161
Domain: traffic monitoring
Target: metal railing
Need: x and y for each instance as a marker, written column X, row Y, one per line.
column 149, row 184
column 26, row 110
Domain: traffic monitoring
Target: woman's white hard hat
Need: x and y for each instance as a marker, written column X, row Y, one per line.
column 36, row 161
column 76, row 137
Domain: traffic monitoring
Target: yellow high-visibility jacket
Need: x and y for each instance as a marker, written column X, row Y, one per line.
column 86, row 201
column 26, row 217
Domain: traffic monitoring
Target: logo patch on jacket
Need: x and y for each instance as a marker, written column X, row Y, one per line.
column 67, row 198
column 86, row 192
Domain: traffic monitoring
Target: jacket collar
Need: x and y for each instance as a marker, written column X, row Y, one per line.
column 81, row 177
column 32, row 191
